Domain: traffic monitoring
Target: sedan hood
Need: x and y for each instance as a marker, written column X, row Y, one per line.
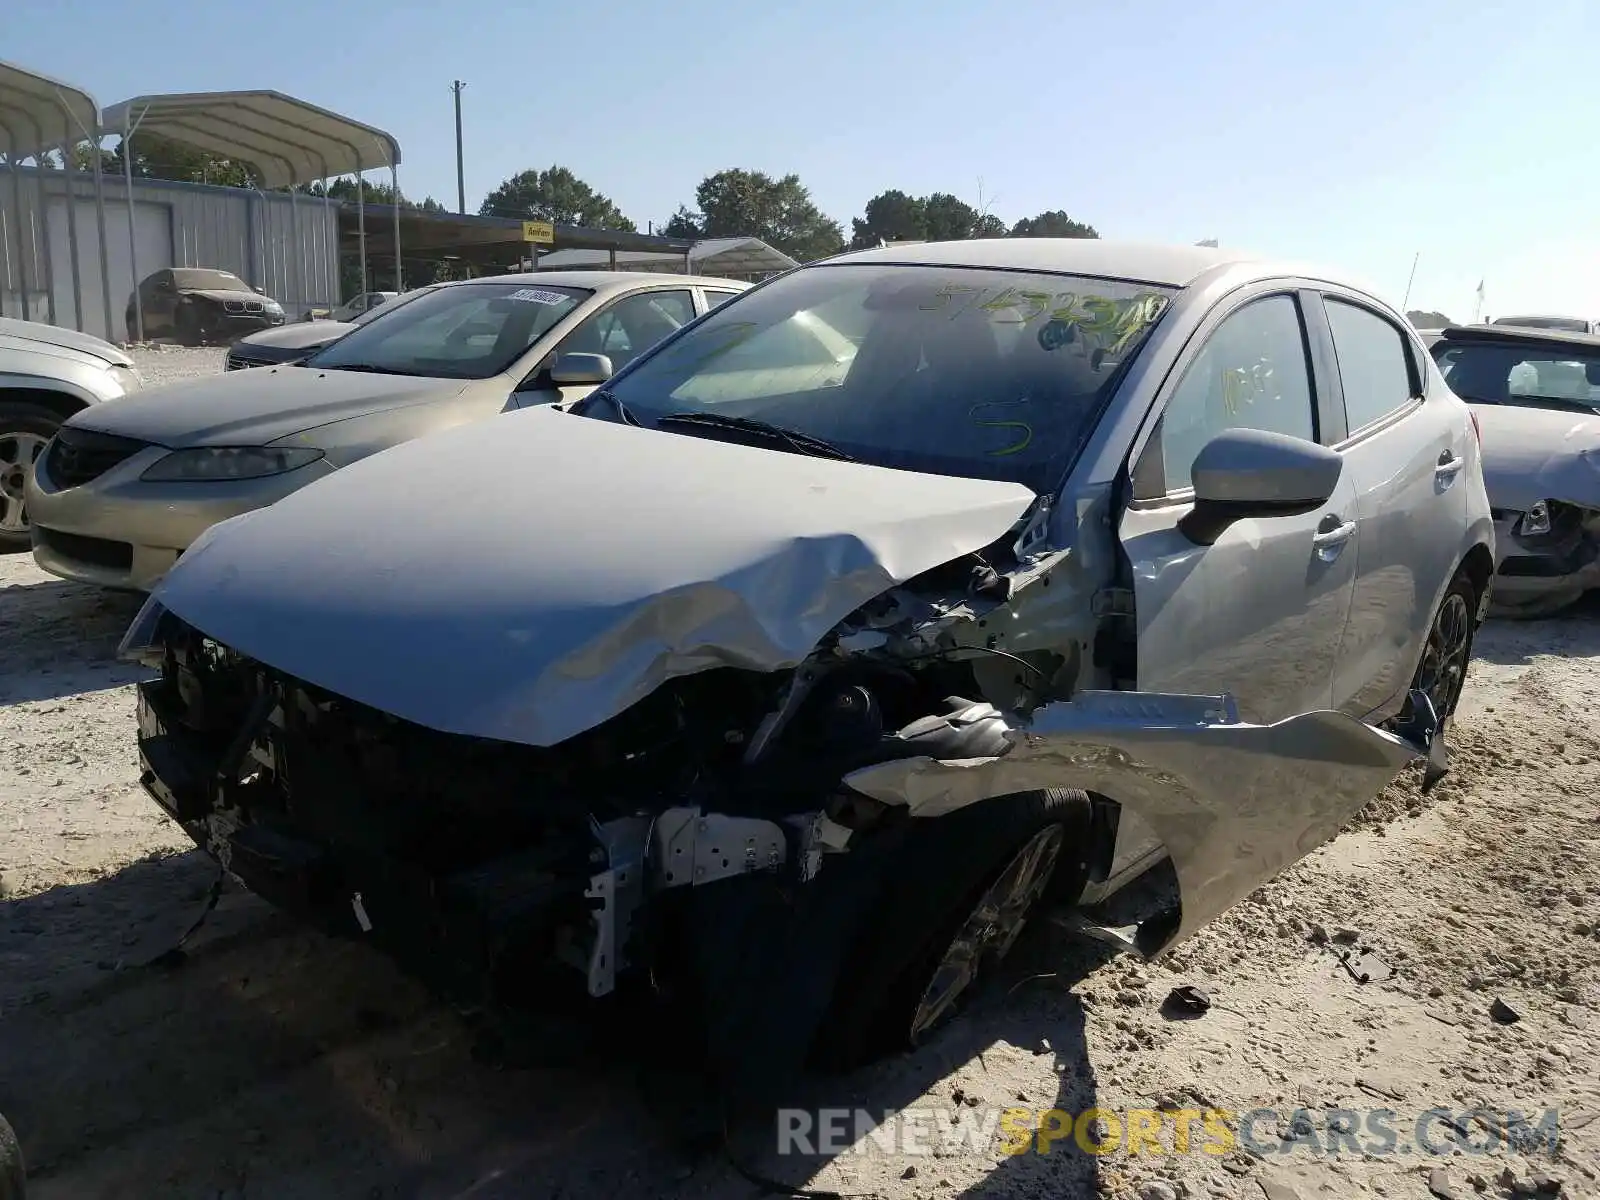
column 301, row 335
column 527, row 577
column 1532, row 454
column 31, row 335
column 252, row 408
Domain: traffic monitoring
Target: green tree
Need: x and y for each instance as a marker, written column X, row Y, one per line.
column 890, row 216
column 344, row 188
column 951, row 219
column 1053, row 224
column 683, row 224
column 740, row 203
column 555, row 195
column 894, row 216
column 156, row 158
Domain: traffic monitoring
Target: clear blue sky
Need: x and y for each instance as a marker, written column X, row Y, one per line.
column 1355, row 133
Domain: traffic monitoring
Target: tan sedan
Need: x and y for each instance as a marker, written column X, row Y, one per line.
column 122, row 490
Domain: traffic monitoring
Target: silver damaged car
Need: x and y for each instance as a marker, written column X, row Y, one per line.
column 1536, row 395
column 900, row 598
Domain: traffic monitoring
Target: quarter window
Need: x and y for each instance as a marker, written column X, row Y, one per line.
column 715, row 298
column 1374, row 365
column 1251, row 373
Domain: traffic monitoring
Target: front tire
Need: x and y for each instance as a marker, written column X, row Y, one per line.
column 24, row 431
column 959, row 896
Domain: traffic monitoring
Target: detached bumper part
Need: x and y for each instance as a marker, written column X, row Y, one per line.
column 1233, row 803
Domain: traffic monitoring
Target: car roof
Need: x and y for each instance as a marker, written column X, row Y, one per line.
column 1172, row 266
column 603, row 280
column 1520, row 335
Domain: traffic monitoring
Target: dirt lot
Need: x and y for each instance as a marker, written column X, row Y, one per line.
column 275, row 1063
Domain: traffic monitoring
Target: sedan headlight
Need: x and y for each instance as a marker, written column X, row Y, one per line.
column 210, row 463
column 1536, row 521
column 272, row 306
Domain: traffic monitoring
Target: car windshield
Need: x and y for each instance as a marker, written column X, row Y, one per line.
column 197, row 279
column 1529, row 376
column 463, row 331
column 954, row 371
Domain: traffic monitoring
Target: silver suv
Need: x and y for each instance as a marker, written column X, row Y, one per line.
column 46, row 375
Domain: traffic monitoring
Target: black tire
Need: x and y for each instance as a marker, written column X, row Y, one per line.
column 935, row 885
column 17, row 421
column 1462, row 593
column 12, row 1176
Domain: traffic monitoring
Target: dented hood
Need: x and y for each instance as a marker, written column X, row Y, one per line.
column 1533, row 454
column 526, row 577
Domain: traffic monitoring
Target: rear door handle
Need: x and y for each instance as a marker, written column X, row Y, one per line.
column 1328, row 542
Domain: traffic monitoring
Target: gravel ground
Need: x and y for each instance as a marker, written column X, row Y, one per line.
column 276, row 1063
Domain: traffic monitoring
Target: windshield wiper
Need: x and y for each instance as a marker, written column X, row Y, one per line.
column 804, row 443
column 364, row 367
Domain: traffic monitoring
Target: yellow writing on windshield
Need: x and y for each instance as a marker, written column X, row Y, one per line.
column 1026, row 430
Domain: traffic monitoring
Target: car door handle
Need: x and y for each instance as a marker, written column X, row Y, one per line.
column 1449, row 467
column 1328, row 542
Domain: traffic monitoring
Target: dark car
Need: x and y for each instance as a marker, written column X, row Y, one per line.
column 200, row 305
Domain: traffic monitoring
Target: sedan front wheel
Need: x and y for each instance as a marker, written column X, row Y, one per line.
column 25, row 430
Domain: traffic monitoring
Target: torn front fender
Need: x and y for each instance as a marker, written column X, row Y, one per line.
column 1233, row 803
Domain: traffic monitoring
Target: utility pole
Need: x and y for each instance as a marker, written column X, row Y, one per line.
column 461, row 176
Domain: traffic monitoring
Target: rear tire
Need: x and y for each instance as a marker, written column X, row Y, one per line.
column 12, row 1176
column 24, row 430
column 947, row 872
column 1447, row 654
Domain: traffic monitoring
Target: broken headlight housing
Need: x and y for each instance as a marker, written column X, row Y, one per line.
column 1536, row 521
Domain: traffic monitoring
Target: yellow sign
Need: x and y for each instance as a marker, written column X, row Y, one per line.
column 539, row 231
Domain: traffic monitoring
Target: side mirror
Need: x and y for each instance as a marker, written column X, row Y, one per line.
column 581, row 370
column 1253, row 473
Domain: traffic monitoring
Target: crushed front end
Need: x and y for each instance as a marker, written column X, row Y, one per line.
column 491, row 869
column 1550, row 556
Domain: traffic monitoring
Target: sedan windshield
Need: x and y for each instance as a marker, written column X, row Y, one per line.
column 463, row 331
column 1530, row 376
column 199, row 279
column 953, row 371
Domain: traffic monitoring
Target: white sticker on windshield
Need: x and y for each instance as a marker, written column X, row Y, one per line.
column 535, row 296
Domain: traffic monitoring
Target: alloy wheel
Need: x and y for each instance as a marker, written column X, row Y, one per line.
column 18, row 452
column 990, row 930
column 1443, row 670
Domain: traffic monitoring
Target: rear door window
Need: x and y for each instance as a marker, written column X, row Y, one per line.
column 1375, row 363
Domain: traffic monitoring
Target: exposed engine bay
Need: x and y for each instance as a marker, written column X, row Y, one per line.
column 378, row 826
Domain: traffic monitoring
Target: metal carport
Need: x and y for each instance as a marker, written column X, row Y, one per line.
column 39, row 114
column 287, row 141
column 496, row 243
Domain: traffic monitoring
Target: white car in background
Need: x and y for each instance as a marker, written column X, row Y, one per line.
column 361, row 305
